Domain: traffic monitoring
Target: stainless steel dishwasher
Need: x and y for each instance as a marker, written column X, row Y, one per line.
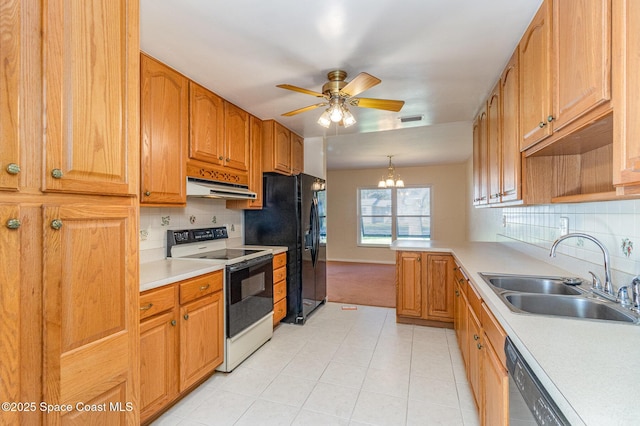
column 529, row 402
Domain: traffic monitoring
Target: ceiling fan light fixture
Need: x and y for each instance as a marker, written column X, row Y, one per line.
column 347, row 118
column 325, row 119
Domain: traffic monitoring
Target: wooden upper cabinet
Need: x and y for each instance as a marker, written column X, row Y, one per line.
column 255, row 167
column 10, row 35
column 164, row 127
column 581, row 58
column 480, row 176
column 626, row 87
column 276, row 148
column 90, row 310
column 297, row 154
column 409, row 282
column 236, row 137
column 206, row 141
column 439, row 303
column 510, row 132
column 494, row 123
column 535, row 79
column 91, row 80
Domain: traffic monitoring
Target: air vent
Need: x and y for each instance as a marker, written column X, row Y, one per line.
column 411, row 118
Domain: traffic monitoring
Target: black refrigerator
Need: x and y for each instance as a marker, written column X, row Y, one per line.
column 294, row 215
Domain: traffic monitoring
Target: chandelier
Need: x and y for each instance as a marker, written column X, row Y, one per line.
column 336, row 113
column 391, row 179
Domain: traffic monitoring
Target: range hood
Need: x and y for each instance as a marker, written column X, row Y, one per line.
column 212, row 189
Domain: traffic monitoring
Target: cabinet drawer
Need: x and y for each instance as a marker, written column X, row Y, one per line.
column 157, row 300
column 279, row 260
column 200, row 286
column 460, row 278
column 279, row 311
column 279, row 274
column 474, row 300
column 495, row 333
column 279, row 291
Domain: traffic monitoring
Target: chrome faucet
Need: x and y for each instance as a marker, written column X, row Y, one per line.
column 608, row 285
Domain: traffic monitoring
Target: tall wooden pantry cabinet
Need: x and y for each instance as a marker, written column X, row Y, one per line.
column 69, row 167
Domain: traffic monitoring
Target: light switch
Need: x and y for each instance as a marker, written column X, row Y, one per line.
column 564, row 225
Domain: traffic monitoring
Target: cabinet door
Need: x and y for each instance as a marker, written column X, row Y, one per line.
column 10, row 277
column 581, row 58
column 201, row 338
column 535, row 79
column 409, row 282
column 475, row 355
column 480, row 176
column 439, row 285
column 236, row 139
column 282, row 148
column 510, row 134
column 495, row 381
column 10, row 35
column 164, row 115
column 255, row 171
column 297, row 154
column 206, row 141
column 494, row 166
column 91, row 79
column 158, row 363
column 626, row 86
column 460, row 322
column 90, row 311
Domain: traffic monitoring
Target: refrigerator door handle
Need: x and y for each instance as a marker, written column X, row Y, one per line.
column 313, row 231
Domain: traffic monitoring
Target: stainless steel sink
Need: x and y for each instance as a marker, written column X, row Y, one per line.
column 532, row 284
column 544, row 295
column 567, row 306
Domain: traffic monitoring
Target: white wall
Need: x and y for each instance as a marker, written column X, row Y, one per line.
column 315, row 159
column 448, row 220
column 615, row 223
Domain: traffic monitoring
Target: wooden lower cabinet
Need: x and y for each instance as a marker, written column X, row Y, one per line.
column 481, row 340
column 424, row 288
column 181, row 339
column 279, row 287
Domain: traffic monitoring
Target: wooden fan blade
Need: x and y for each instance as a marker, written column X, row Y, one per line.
column 307, row 108
column 359, row 84
column 301, row 90
column 386, row 104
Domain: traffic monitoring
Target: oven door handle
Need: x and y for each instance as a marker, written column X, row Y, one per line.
column 262, row 260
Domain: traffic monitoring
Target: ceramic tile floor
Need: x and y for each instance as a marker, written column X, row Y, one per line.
column 343, row 367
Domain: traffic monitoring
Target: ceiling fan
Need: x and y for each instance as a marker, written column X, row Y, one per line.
column 338, row 94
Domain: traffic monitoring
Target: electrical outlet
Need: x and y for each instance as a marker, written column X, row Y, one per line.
column 564, row 225
column 504, row 220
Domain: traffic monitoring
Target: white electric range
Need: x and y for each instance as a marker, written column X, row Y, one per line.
column 248, row 288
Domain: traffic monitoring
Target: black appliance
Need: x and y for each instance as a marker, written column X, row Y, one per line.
column 293, row 215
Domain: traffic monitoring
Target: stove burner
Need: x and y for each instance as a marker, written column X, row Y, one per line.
column 224, row 254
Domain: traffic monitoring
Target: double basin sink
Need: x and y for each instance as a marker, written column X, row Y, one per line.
column 554, row 296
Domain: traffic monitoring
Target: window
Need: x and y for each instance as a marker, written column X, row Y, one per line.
column 387, row 214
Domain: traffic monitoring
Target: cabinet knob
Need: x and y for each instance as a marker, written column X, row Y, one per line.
column 542, row 124
column 479, row 346
column 550, row 118
column 56, row 224
column 460, row 280
column 186, row 316
column 173, row 323
column 147, row 193
column 221, row 158
column 457, row 293
column 13, row 223
column 56, row 173
column 228, row 159
column 475, row 337
column 13, row 169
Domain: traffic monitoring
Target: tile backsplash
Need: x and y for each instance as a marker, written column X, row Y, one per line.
column 615, row 223
column 199, row 213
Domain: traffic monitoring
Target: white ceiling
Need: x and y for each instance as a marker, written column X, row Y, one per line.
column 440, row 56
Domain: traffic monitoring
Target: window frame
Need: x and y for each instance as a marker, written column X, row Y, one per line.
column 394, row 215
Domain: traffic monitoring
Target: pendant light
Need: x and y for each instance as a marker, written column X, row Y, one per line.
column 391, row 179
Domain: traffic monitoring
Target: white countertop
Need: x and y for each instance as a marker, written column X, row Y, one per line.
column 591, row 369
column 166, row 271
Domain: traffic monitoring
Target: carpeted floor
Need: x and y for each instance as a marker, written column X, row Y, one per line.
column 369, row 284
